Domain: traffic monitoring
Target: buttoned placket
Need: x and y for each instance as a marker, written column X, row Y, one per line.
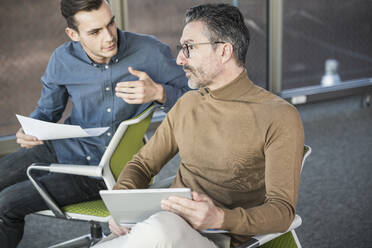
column 109, row 99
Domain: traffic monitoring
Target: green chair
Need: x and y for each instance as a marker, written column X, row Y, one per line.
column 127, row 140
column 287, row 239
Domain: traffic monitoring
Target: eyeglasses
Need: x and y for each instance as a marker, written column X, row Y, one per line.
column 187, row 47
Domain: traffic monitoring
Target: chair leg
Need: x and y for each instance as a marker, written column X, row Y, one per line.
column 87, row 240
column 83, row 241
column 95, row 232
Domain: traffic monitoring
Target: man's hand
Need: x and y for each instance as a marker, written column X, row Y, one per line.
column 141, row 91
column 27, row 141
column 200, row 212
column 116, row 229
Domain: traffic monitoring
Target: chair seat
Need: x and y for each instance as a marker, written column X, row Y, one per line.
column 96, row 208
column 90, row 210
column 285, row 241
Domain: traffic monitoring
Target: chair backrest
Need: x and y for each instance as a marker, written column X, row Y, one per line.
column 282, row 240
column 126, row 142
column 307, row 152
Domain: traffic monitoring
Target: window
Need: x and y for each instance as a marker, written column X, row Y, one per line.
column 320, row 30
column 30, row 31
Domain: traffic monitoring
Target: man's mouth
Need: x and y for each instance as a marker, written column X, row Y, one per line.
column 187, row 72
column 112, row 47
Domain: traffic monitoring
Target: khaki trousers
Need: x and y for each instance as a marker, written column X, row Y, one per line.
column 166, row 230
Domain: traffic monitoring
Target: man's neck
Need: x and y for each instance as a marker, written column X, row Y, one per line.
column 227, row 75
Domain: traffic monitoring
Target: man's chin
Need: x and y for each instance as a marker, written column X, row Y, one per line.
column 111, row 53
column 114, row 52
column 193, row 85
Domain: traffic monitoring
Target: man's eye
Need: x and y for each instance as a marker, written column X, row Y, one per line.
column 93, row 33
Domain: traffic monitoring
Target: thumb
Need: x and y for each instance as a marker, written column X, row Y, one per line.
column 199, row 197
column 140, row 74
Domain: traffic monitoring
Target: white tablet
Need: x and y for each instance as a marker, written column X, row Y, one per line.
column 128, row 207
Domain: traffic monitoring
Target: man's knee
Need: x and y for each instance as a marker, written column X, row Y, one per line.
column 6, row 207
column 163, row 228
column 13, row 202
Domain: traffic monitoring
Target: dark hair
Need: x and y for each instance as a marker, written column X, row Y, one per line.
column 70, row 7
column 224, row 23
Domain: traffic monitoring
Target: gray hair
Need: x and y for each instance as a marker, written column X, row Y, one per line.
column 224, row 22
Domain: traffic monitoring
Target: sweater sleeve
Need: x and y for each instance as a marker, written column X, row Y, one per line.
column 283, row 150
column 150, row 159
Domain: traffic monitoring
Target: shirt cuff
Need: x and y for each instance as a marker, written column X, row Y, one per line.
column 229, row 220
column 171, row 97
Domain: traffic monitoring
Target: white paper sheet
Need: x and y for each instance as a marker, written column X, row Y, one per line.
column 44, row 130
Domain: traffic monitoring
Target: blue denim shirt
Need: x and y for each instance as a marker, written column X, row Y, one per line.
column 91, row 87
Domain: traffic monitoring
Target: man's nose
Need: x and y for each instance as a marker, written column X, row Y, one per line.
column 107, row 34
column 181, row 60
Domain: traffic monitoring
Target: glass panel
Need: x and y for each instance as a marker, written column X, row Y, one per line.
column 30, row 31
column 320, row 30
column 33, row 29
column 164, row 19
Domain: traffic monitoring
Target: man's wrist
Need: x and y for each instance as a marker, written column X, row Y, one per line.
column 160, row 93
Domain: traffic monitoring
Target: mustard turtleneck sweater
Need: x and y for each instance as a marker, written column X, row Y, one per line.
column 240, row 145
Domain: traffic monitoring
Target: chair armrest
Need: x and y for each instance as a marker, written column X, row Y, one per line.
column 259, row 240
column 164, row 183
column 81, row 170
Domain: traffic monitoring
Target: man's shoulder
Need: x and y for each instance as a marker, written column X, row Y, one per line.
column 267, row 103
column 265, row 97
column 191, row 95
column 65, row 60
column 66, row 50
column 187, row 100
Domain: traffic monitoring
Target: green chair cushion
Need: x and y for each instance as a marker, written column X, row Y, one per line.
column 95, row 208
column 284, row 241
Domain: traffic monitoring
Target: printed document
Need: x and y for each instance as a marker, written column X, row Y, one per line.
column 44, row 130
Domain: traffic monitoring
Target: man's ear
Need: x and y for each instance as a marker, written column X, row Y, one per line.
column 226, row 52
column 73, row 34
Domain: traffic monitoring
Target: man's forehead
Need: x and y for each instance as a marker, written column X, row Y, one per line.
column 95, row 19
column 193, row 32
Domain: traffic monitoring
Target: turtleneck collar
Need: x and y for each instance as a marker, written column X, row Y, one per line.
column 231, row 91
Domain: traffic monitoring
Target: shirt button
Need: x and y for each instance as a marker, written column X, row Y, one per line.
column 107, row 88
column 117, row 60
column 88, row 157
column 162, row 107
column 106, row 67
column 108, row 134
column 108, row 110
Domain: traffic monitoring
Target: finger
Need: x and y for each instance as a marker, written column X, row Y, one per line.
column 128, row 84
column 117, row 229
column 177, row 208
column 183, row 201
column 200, row 197
column 131, row 96
column 132, row 90
column 137, row 101
column 134, row 101
column 140, row 74
column 22, row 135
column 28, row 143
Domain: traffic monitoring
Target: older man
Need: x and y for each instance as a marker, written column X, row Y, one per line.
column 240, row 146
